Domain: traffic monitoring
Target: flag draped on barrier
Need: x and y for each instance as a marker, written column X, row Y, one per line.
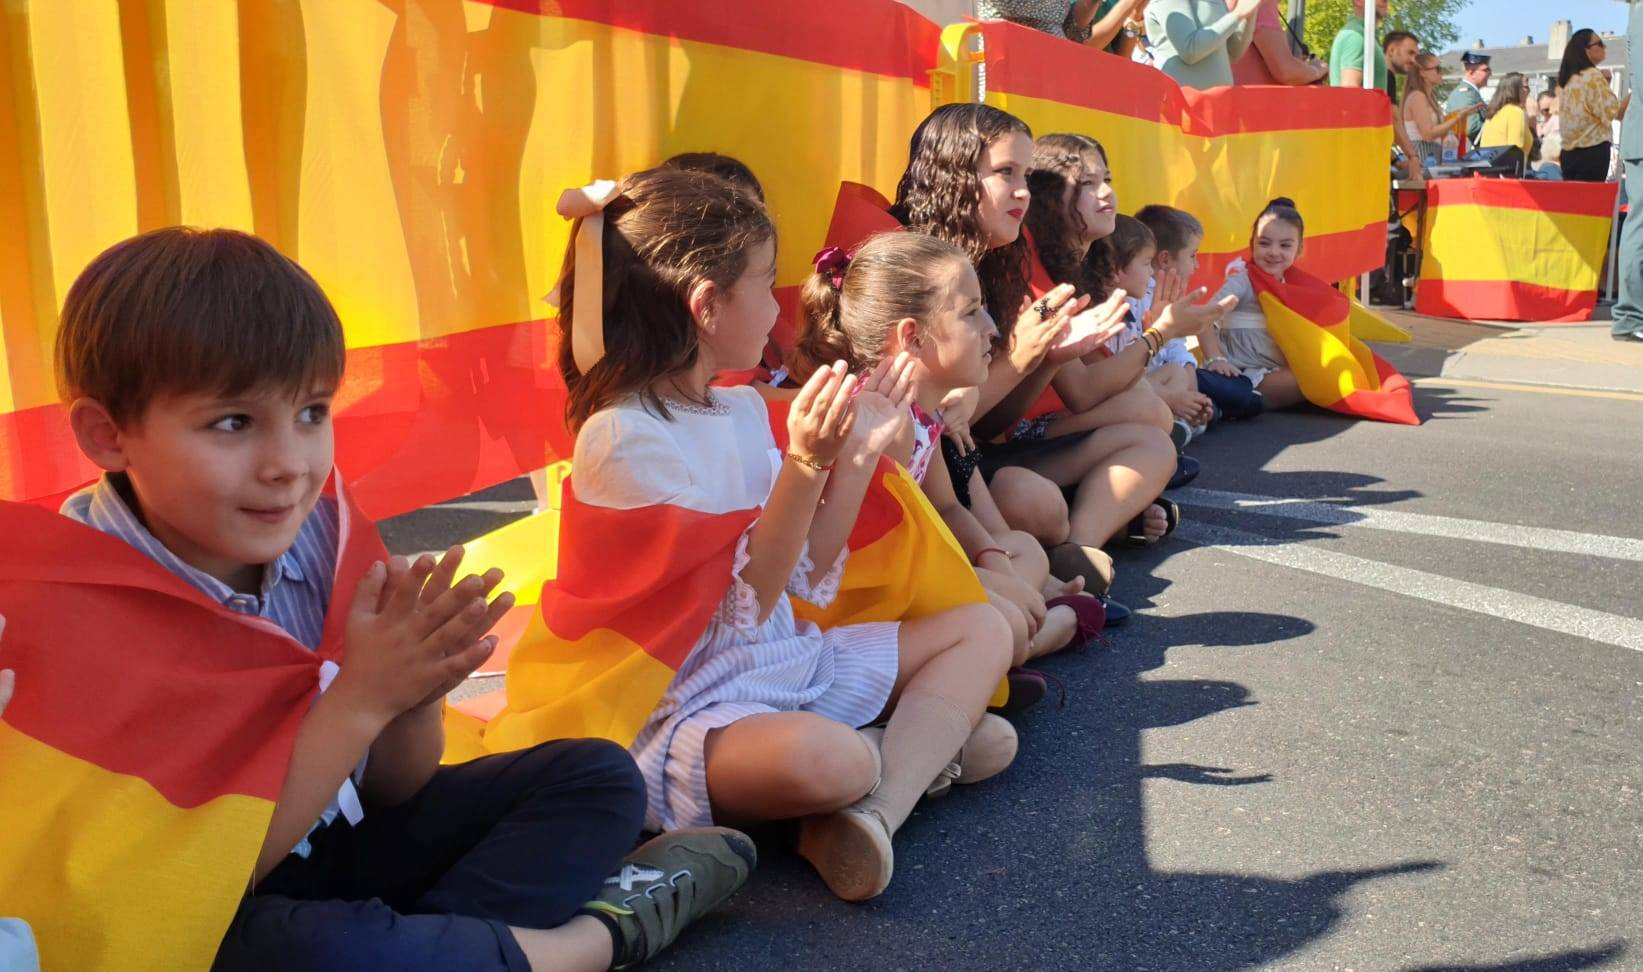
column 1219, row 154
column 1511, row 250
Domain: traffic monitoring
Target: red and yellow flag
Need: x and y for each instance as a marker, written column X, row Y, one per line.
column 1219, row 154
column 1313, row 324
column 145, row 747
column 1514, row 250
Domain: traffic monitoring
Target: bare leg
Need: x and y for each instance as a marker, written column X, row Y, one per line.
column 1281, row 390
column 1024, row 500
column 1137, row 404
column 780, row 765
column 951, row 663
column 1118, row 471
column 578, row 944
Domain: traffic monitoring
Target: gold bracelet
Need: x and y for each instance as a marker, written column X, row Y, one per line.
column 809, row 462
column 1157, row 339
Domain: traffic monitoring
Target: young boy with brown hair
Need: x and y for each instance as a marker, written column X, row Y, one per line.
column 263, row 635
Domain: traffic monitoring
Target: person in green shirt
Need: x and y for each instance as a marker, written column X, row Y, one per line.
column 1346, row 54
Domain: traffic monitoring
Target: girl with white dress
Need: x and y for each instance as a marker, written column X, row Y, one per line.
column 760, row 721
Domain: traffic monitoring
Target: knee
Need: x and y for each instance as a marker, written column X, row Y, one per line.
column 600, row 768
column 826, row 765
column 1017, row 623
column 1031, row 504
column 1157, row 411
column 1027, row 551
column 988, row 642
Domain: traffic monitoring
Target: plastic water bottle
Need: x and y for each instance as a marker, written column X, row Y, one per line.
column 1451, row 149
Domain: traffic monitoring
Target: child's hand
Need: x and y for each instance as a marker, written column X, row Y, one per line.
column 1091, row 328
column 8, row 678
column 1222, row 366
column 819, row 423
column 400, row 650
column 1041, row 324
column 1185, row 317
column 1166, row 290
column 438, row 583
column 1018, row 592
column 956, row 411
column 882, row 407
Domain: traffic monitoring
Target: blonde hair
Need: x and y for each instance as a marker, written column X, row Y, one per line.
column 893, row 276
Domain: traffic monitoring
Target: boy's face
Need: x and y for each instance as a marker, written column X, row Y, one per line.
column 226, row 483
column 1184, row 261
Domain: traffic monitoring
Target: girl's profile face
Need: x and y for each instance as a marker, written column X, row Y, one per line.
column 1276, row 246
column 744, row 314
column 1134, row 276
column 956, row 345
column 1004, row 195
column 1094, row 199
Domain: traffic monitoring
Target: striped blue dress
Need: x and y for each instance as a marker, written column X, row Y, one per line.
column 719, row 462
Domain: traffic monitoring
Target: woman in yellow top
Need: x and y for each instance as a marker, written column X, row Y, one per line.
column 1586, row 109
column 1508, row 122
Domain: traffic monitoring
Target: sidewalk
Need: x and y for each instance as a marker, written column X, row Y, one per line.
column 1564, row 355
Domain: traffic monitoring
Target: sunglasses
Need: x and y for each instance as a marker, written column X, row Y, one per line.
column 1596, row 43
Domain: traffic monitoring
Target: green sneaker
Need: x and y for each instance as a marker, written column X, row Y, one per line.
column 668, row 883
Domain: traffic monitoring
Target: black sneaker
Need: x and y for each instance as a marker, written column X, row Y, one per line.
column 668, row 883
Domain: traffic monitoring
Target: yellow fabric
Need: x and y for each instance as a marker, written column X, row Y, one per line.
column 1223, row 180
column 916, row 569
column 1370, row 326
column 1510, row 126
column 1329, row 363
column 84, row 834
column 1586, row 110
column 398, row 151
column 1557, row 250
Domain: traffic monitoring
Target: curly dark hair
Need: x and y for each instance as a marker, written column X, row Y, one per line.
column 668, row 230
column 1057, row 229
column 940, row 194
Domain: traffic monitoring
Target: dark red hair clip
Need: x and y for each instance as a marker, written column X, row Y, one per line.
column 833, row 261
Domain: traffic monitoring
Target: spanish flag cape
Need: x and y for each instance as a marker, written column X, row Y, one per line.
column 146, row 744
column 605, row 637
column 1312, row 323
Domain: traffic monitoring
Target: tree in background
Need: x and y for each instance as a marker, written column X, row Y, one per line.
column 1433, row 21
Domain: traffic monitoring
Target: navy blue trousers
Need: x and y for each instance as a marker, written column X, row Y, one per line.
column 1235, row 397
column 519, row 839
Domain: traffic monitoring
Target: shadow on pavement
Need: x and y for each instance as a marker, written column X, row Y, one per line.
column 1592, row 958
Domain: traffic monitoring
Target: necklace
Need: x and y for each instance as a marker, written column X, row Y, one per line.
column 711, row 407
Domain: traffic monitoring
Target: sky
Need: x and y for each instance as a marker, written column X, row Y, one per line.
column 1503, row 23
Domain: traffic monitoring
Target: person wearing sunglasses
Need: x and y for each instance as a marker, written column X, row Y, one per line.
column 1587, row 108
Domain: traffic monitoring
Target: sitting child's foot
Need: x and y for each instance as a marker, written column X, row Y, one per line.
column 850, row 850
column 668, row 883
column 1093, row 564
column 989, row 751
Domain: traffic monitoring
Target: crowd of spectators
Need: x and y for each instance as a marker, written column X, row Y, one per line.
column 1562, row 132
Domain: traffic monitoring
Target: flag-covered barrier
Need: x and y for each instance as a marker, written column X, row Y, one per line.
column 1221, row 155
column 1513, row 250
column 408, row 155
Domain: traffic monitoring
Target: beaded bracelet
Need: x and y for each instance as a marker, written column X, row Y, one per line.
column 809, row 462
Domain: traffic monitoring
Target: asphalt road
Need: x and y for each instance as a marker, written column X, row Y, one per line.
column 1395, row 725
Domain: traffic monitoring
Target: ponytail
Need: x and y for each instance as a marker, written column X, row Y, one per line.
column 820, row 340
column 847, row 307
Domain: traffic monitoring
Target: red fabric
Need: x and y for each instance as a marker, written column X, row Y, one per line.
column 862, row 35
column 1576, row 198
column 189, row 696
column 1251, row 68
column 675, row 567
column 1503, row 300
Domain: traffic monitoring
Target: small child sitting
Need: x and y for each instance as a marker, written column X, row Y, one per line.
column 218, row 459
column 1178, row 235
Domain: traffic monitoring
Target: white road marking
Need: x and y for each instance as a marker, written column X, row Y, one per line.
column 1495, row 602
column 1532, row 538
